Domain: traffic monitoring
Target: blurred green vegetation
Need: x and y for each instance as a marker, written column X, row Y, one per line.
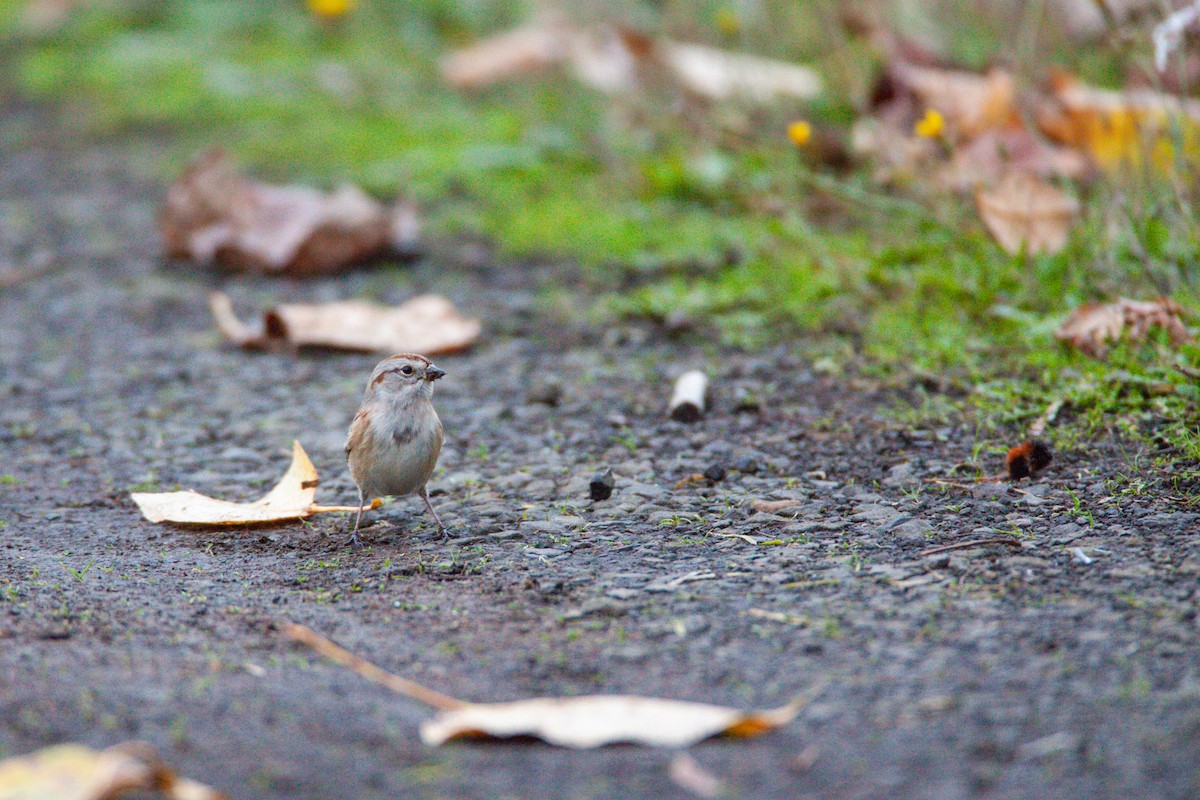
column 708, row 214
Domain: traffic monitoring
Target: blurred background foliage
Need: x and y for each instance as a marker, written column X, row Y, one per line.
column 703, row 218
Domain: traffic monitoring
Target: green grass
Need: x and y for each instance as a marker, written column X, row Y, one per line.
column 713, row 217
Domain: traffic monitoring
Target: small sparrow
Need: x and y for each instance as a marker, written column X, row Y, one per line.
column 396, row 435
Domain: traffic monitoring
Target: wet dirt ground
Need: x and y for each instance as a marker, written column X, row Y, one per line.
column 1067, row 665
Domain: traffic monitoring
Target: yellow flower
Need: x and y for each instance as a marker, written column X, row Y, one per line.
column 330, row 8
column 800, row 132
column 728, row 22
column 931, row 125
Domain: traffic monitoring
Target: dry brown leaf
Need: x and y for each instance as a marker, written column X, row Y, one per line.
column 1024, row 212
column 610, row 58
column 970, row 103
column 425, row 324
column 214, row 214
column 721, row 75
column 542, row 43
column 1119, row 128
column 576, row 722
column 997, row 152
column 1092, row 326
column 292, row 498
column 75, row 772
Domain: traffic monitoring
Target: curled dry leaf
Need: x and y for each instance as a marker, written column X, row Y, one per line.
column 1024, row 212
column 214, row 214
column 424, row 324
column 611, row 59
column 75, row 772
column 292, row 498
column 1092, row 326
column 576, row 722
column 596, row 720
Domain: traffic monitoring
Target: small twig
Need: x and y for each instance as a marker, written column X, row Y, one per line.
column 1188, row 371
column 945, row 548
column 1038, row 427
column 371, row 672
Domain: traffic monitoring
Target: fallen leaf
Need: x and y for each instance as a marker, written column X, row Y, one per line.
column 75, row 772
column 611, row 59
column 546, row 41
column 998, row 152
column 1092, row 326
column 575, row 722
column 721, row 75
column 968, row 103
column 292, row 498
column 424, row 324
column 1024, row 212
column 1122, row 128
column 213, row 214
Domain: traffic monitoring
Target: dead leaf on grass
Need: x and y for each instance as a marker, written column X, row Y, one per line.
column 1092, row 326
column 292, row 498
column 213, row 214
column 1122, row 128
column 997, row 152
column 969, row 103
column 613, row 59
column 575, row 722
column 75, row 772
column 425, row 324
column 722, row 75
column 1024, row 212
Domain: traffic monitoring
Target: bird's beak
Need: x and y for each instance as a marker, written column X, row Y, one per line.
column 433, row 373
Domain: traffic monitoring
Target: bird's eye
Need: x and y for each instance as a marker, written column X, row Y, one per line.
column 407, row 370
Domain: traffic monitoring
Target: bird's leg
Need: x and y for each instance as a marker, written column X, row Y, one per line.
column 441, row 528
column 353, row 540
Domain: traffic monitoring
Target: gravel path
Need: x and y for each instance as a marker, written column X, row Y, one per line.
column 1064, row 666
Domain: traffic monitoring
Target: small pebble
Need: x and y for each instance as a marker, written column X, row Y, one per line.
column 715, row 473
column 601, row 485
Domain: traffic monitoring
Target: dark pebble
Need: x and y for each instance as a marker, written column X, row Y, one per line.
column 715, row 473
column 601, row 486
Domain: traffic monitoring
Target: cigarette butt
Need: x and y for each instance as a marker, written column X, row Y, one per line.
column 687, row 401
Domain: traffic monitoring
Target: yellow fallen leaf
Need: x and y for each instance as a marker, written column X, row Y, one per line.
column 425, row 324
column 75, row 772
column 1023, row 211
column 1092, row 326
column 1122, row 128
column 291, row 498
column 575, row 722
